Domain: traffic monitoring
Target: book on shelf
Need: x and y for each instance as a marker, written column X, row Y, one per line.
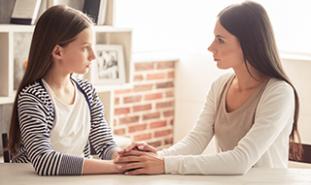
column 96, row 9
column 25, row 11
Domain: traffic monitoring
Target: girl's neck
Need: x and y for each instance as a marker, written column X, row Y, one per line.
column 58, row 80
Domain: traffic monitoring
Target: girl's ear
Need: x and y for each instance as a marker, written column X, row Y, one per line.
column 57, row 52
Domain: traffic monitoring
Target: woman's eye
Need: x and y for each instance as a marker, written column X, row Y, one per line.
column 220, row 40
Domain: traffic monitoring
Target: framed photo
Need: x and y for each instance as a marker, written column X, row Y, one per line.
column 109, row 65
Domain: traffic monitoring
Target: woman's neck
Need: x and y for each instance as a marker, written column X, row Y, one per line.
column 248, row 79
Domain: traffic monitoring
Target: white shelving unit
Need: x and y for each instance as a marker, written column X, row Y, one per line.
column 104, row 34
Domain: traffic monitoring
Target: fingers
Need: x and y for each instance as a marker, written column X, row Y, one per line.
column 127, row 159
column 129, row 148
column 139, row 171
column 131, row 166
column 131, row 153
column 139, row 146
column 147, row 148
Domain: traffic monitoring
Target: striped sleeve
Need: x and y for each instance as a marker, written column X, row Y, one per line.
column 100, row 136
column 35, row 124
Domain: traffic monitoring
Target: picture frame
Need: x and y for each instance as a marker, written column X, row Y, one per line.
column 108, row 67
column 25, row 12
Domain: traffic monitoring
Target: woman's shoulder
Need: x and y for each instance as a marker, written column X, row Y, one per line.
column 278, row 86
column 277, row 91
column 220, row 82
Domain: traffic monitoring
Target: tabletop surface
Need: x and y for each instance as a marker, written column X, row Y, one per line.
column 20, row 174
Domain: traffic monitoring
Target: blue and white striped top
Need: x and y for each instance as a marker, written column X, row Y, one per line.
column 36, row 113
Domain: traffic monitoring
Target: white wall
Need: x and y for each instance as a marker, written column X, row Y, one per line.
column 299, row 72
column 196, row 72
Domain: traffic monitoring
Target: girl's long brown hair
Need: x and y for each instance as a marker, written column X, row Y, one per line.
column 59, row 25
column 249, row 22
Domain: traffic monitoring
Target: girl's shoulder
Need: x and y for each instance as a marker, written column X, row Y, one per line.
column 84, row 85
column 36, row 93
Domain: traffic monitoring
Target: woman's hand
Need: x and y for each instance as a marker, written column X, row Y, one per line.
column 137, row 163
column 140, row 147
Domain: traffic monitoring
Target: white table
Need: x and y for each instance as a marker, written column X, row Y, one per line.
column 22, row 174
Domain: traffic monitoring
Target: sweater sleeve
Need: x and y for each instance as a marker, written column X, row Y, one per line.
column 100, row 136
column 34, row 127
column 201, row 134
column 274, row 112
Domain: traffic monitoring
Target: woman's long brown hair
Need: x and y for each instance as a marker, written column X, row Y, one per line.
column 250, row 24
column 59, row 25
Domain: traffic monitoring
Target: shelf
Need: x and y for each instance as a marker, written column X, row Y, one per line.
column 16, row 28
column 7, row 100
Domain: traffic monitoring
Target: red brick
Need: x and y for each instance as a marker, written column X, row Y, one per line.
column 165, row 65
column 155, row 143
column 145, row 87
column 165, row 85
column 157, row 124
column 142, row 137
column 129, row 119
column 132, row 99
column 117, row 101
column 153, row 96
column 138, row 127
column 169, row 113
column 119, row 131
column 144, row 66
column 122, row 91
column 139, row 108
column 120, row 111
column 138, row 78
column 156, row 76
column 169, row 94
column 165, row 104
column 115, row 122
column 172, row 122
column 169, row 141
column 171, row 74
column 151, row 116
column 163, row 133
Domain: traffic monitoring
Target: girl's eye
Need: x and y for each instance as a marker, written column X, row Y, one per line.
column 85, row 48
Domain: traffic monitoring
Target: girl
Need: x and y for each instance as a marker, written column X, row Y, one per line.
column 56, row 118
column 252, row 113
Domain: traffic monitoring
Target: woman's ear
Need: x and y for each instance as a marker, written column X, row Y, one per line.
column 57, row 52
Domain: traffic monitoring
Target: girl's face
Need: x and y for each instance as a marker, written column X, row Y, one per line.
column 226, row 49
column 78, row 55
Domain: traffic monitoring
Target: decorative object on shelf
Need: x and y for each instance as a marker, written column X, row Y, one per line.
column 25, row 11
column 96, row 9
column 21, row 43
column 109, row 65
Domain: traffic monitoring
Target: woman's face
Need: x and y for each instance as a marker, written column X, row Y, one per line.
column 78, row 55
column 226, row 49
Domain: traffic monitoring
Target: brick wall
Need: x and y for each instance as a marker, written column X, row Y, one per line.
column 146, row 112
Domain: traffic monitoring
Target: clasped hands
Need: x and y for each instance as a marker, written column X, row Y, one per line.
column 138, row 159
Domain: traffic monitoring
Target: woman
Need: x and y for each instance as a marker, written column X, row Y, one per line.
column 56, row 118
column 252, row 113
